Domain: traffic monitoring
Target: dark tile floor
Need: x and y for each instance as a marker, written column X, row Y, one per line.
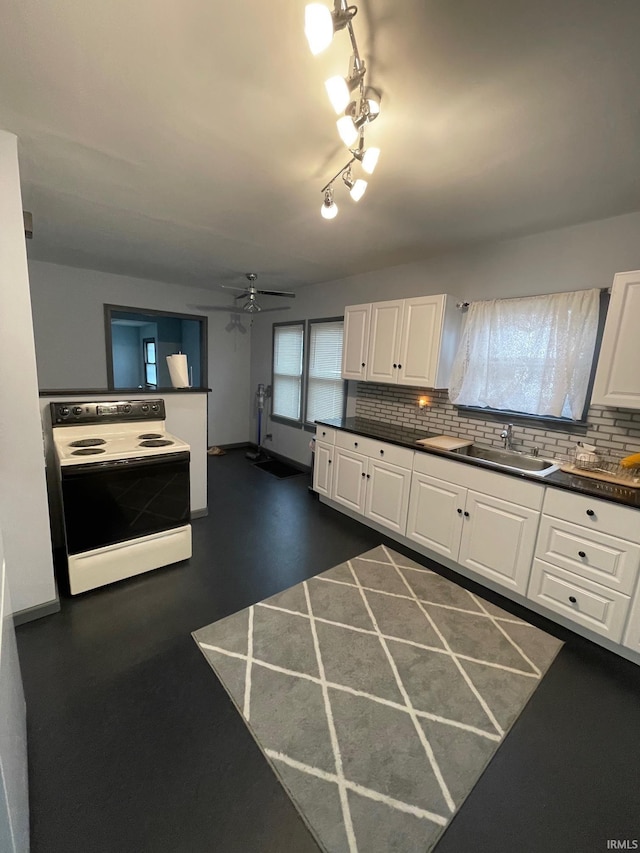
column 135, row 747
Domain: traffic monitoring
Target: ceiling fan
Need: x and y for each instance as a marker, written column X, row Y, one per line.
column 250, row 294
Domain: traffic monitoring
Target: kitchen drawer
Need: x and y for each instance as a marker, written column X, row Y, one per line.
column 596, row 607
column 589, row 553
column 326, row 434
column 604, row 516
column 374, row 449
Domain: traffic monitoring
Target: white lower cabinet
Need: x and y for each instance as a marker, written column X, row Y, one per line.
column 323, row 468
column 372, row 486
column 486, row 533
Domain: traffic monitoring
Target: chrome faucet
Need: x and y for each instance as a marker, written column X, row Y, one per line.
column 507, row 437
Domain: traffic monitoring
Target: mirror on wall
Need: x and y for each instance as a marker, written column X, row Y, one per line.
column 139, row 340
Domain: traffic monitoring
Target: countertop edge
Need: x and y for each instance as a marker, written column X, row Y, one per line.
column 102, row 392
column 555, row 480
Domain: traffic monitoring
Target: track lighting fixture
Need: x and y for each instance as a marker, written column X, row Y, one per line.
column 360, row 103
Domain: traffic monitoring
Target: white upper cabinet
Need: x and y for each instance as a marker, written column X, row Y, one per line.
column 384, row 341
column 410, row 341
column 356, row 341
column 617, row 381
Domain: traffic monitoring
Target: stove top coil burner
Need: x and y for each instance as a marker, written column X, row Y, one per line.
column 87, row 442
column 148, row 435
column 155, row 442
column 87, row 451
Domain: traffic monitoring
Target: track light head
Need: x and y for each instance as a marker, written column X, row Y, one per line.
column 372, row 98
column 320, row 23
column 329, row 209
column 339, row 88
column 356, row 188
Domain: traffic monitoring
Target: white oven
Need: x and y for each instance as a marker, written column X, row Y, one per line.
column 124, row 485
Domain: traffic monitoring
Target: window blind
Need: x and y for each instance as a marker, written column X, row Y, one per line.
column 287, row 371
column 325, row 387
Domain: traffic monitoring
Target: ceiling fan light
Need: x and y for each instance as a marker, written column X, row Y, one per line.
column 318, row 27
column 338, row 92
column 347, row 130
column 370, row 160
column 358, row 189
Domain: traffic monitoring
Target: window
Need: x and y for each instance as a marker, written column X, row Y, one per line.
column 533, row 355
column 325, row 385
column 288, row 346
column 302, row 394
column 149, row 356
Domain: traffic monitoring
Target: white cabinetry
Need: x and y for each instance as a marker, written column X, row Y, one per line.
column 372, row 478
column 356, row 341
column 587, row 561
column 617, row 381
column 323, row 460
column 410, row 341
column 479, row 519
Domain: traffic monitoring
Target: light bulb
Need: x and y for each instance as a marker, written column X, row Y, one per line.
column 318, row 27
column 370, row 160
column 358, row 189
column 330, row 210
column 372, row 97
column 347, row 130
column 338, row 92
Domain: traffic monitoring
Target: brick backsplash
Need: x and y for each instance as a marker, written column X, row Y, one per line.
column 614, row 432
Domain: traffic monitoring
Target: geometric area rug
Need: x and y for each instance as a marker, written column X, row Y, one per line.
column 379, row 691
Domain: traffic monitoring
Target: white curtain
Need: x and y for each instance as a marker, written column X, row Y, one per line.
column 529, row 355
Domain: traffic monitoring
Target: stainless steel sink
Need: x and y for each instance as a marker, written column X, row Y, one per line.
column 511, row 461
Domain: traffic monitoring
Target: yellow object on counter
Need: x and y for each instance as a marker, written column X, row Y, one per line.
column 632, row 461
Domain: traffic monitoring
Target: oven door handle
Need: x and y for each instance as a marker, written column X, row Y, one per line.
column 120, row 464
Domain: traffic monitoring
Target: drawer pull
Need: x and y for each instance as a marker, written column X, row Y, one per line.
column 581, row 554
column 324, row 433
column 572, row 599
column 355, row 443
column 459, row 512
column 590, row 513
column 382, row 453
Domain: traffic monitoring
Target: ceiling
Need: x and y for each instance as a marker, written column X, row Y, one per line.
column 188, row 141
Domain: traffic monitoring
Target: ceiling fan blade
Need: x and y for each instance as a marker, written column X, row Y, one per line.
column 231, row 309
column 282, row 308
column 232, row 287
column 242, row 295
column 276, row 293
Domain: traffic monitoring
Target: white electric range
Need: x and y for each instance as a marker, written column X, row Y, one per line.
column 124, row 483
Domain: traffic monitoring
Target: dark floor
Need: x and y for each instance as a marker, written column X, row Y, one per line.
column 135, row 747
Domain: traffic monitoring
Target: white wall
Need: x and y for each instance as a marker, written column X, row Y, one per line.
column 576, row 258
column 14, row 794
column 68, row 316
column 24, row 513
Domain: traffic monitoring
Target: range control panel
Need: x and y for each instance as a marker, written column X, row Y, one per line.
column 106, row 411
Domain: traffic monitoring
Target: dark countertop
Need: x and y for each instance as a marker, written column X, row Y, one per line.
column 83, row 392
column 558, row 479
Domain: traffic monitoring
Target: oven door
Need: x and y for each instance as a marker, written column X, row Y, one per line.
column 109, row 502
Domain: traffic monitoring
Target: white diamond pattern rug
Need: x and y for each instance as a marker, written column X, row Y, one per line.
column 379, row 691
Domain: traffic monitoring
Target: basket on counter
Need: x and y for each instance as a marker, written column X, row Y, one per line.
column 602, row 466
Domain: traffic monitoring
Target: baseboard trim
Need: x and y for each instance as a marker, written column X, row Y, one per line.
column 238, row 445
column 306, row 469
column 199, row 513
column 38, row 611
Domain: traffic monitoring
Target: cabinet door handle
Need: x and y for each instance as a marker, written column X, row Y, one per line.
column 590, row 512
column 399, row 367
column 363, row 474
column 466, row 514
column 459, row 512
column 368, row 476
column 572, row 599
column 395, row 366
column 329, row 462
column 363, row 364
column 581, row 554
